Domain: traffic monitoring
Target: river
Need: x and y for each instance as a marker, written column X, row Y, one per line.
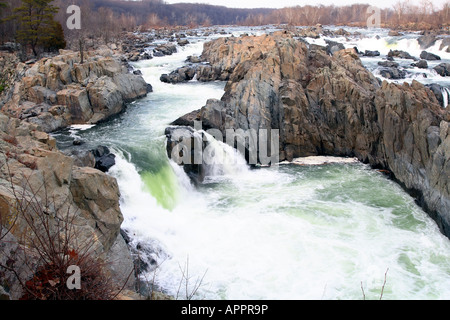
column 330, row 231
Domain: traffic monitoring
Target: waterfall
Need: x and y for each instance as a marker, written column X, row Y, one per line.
column 221, row 159
column 445, row 96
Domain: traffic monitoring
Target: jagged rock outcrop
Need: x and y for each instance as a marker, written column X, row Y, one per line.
column 56, row 92
column 443, row 69
column 185, row 152
column 332, row 105
column 429, row 56
column 400, row 54
column 29, row 161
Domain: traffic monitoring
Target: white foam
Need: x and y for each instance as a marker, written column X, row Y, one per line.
column 320, row 160
column 81, row 127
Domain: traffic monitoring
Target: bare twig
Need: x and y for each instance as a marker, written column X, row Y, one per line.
column 362, row 288
column 190, row 293
column 384, row 283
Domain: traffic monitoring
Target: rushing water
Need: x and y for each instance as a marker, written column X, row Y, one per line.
column 334, row 231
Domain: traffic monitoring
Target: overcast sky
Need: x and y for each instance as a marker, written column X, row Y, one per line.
column 290, row 3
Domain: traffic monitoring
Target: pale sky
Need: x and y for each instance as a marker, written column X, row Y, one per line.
column 291, row 3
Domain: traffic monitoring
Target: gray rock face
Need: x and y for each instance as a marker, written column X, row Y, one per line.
column 89, row 196
column 429, row 56
column 76, row 92
column 427, row 40
column 393, row 73
column 400, row 54
column 422, row 64
column 332, row 105
column 181, row 143
column 443, row 69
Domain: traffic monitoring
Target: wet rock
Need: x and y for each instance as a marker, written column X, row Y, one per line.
column 185, row 147
column 422, row 64
column 393, row 73
column 369, row 53
column 388, row 64
column 187, row 119
column 400, row 54
column 342, row 32
column 183, row 42
column 429, row 56
column 426, row 41
column 182, row 74
column 443, row 69
column 165, row 49
column 104, row 159
column 333, row 46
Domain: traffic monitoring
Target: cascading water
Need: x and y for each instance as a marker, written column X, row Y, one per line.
column 445, row 96
column 280, row 232
column 221, row 159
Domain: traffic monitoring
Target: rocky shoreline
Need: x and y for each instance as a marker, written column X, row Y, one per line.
column 48, row 95
column 331, row 105
column 57, row 92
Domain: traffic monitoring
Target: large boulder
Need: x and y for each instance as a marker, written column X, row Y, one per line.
column 181, row 142
column 427, row 40
column 104, row 159
column 400, row 54
column 443, row 69
column 87, row 92
column 131, row 87
column 77, row 101
column 97, row 196
column 105, row 99
column 429, row 56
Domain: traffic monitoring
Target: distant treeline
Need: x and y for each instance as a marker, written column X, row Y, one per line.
column 106, row 19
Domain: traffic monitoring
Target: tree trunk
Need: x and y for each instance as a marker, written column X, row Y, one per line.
column 33, row 47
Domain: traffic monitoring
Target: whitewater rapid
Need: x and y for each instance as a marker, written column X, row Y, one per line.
column 292, row 231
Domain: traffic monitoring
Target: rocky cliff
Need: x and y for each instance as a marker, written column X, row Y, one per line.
column 59, row 91
column 33, row 173
column 331, row 105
